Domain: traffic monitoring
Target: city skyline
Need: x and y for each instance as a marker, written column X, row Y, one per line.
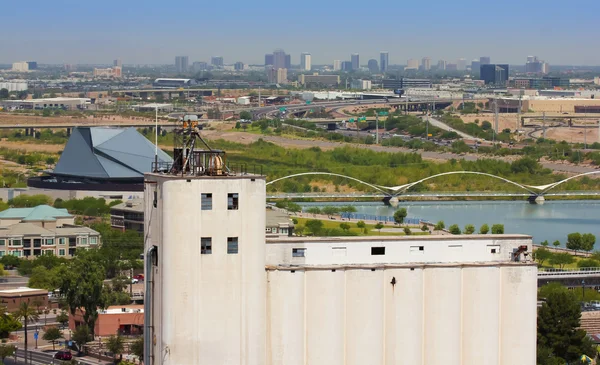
column 81, row 34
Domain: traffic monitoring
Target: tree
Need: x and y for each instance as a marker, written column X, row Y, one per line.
column 379, row 226
column 587, row 241
column 7, row 351
column 314, row 210
column 62, row 318
column 26, row 314
column 238, row 125
column 561, row 259
column 588, row 263
column 115, row 344
column 558, row 333
column 245, row 115
column 80, row 282
column 348, row 209
column 574, row 241
column 545, row 243
column 498, row 229
column 439, row 226
column 360, row 224
column 137, row 347
column 407, row 231
column 345, row 226
column 399, row 215
column 542, row 254
column 330, row 210
column 314, row 226
column 4, row 94
column 469, row 229
column 556, row 243
column 52, row 334
column 42, row 278
column 424, row 228
column 10, row 261
column 454, row 229
column 81, row 336
column 299, row 229
column 8, row 323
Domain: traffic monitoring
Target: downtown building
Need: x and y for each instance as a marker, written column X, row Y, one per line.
column 492, row 74
column 222, row 292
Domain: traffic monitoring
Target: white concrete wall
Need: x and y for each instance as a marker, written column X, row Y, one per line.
column 398, row 250
column 211, row 307
column 447, row 315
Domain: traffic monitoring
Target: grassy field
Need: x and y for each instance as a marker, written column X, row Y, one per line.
column 370, row 228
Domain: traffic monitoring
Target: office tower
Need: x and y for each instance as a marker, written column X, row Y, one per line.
column 269, row 59
column 534, row 65
column 217, row 61
column 384, row 60
column 279, row 59
column 412, row 64
column 485, row 60
column 493, row 74
column 118, row 63
column 531, row 58
column 199, row 66
column 337, row 65
column 305, row 62
column 426, row 63
column 373, row 66
column 282, row 76
column 347, row 66
column 461, row 64
column 355, row 61
column 32, row 65
column 238, row 66
column 181, row 64
column 475, row 65
column 288, row 61
column 441, row 65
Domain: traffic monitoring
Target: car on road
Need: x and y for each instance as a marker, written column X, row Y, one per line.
column 139, row 277
column 63, row 355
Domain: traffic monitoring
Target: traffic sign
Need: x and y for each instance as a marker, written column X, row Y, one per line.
column 35, row 335
column 308, row 102
column 362, row 118
column 282, row 109
column 383, row 113
column 351, row 120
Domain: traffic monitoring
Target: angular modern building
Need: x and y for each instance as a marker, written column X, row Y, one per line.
column 219, row 292
column 101, row 158
column 493, row 74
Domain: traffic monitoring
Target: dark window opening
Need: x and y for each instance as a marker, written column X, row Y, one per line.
column 377, row 250
column 206, row 202
column 298, row 252
column 206, row 245
column 232, row 201
column 232, row 245
column 493, row 250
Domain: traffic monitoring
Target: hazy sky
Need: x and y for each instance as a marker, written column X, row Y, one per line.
column 151, row 31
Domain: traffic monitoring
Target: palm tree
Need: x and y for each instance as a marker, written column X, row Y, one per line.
column 26, row 314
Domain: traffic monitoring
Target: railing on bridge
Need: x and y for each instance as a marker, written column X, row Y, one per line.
column 378, row 218
column 582, row 271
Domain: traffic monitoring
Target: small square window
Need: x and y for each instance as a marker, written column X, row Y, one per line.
column 206, row 202
column 298, row 252
column 49, row 241
column 2, row 242
column 377, row 250
column 206, row 245
column 2, row 253
column 93, row 240
column 232, row 245
column 417, row 249
column 61, row 252
column 232, row 201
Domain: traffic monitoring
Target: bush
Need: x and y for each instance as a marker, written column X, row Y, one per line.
column 454, row 229
column 588, row 263
column 407, row 231
column 469, row 229
column 439, row 226
column 498, row 229
column 484, row 229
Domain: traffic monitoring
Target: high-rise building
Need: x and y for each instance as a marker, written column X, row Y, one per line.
column 337, row 65
column 412, row 64
column 475, row 64
column 461, row 64
column 181, row 64
column 217, row 61
column 534, row 65
column 305, row 62
column 282, row 76
column 493, row 74
column 279, row 59
column 118, row 63
column 484, row 60
column 441, row 65
column 426, row 64
column 384, row 60
column 22, row 66
column 288, row 61
column 373, row 66
column 347, row 66
column 199, row 66
column 354, row 58
column 238, row 66
column 269, row 59
column 32, row 65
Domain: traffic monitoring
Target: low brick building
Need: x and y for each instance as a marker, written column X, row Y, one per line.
column 12, row 298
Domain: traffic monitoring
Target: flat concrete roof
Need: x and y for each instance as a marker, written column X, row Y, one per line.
column 23, row 291
column 448, row 237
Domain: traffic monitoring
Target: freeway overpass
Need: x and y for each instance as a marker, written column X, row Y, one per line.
column 588, row 277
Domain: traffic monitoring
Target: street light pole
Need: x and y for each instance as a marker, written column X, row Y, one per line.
column 376, row 127
column 582, row 290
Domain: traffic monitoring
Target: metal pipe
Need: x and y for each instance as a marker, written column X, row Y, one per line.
column 148, row 280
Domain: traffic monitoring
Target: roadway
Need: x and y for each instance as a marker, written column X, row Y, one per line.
column 448, row 194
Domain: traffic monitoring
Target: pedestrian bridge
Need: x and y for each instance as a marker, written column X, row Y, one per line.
column 580, row 277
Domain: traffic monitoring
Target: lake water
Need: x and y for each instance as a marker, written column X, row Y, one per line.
column 551, row 221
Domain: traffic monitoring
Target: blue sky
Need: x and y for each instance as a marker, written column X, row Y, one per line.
column 152, row 31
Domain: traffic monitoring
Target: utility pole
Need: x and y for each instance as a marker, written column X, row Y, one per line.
column 544, row 125
column 376, row 127
column 585, row 137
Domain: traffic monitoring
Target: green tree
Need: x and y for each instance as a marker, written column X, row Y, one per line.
column 4, row 94
column 574, row 241
column 439, row 226
column 407, row 231
column 545, row 243
column 556, row 243
column 52, row 335
column 498, row 229
column 345, row 226
column 542, row 255
column 330, row 210
column 81, row 282
column 424, row 228
column 293, row 207
column 361, row 224
column 299, row 229
column 561, row 259
column 454, row 229
column 587, row 241
column 26, row 314
column 348, row 209
column 245, row 115
column 137, row 347
column 81, row 336
column 588, row 263
column 7, row 351
column 399, row 215
column 10, row 261
column 238, row 125
column 62, row 318
column 484, row 229
column 314, row 226
column 558, row 333
column 469, row 229
column 379, row 226
column 43, row 278
column 8, row 323
column 115, row 344
column 314, row 210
